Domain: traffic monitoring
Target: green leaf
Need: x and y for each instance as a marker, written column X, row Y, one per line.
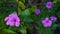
column 32, row 9
column 19, row 11
column 23, row 31
column 9, row 31
column 54, row 26
column 21, row 4
column 55, row 1
column 25, row 13
column 29, row 20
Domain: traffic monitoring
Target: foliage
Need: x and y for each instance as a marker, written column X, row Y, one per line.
column 29, row 19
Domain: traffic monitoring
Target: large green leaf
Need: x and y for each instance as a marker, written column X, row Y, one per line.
column 9, row 31
column 25, row 13
column 29, row 20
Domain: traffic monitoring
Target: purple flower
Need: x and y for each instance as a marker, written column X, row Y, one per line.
column 37, row 11
column 53, row 18
column 12, row 20
column 49, row 4
column 46, row 22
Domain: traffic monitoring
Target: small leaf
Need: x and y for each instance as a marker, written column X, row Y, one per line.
column 23, row 31
column 19, row 11
column 32, row 9
column 21, row 4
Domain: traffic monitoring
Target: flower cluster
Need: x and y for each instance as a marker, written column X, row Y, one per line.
column 48, row 5
column 47, row 23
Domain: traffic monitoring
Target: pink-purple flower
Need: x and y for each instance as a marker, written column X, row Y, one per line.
column 46, row 22
column 53, row 18
column 37, row 11
column 12, row 20
column 49, row 5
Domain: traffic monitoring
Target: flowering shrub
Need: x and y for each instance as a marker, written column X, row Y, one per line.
column 29, row 16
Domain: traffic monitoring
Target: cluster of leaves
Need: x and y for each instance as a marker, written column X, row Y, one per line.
column 29, row 19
